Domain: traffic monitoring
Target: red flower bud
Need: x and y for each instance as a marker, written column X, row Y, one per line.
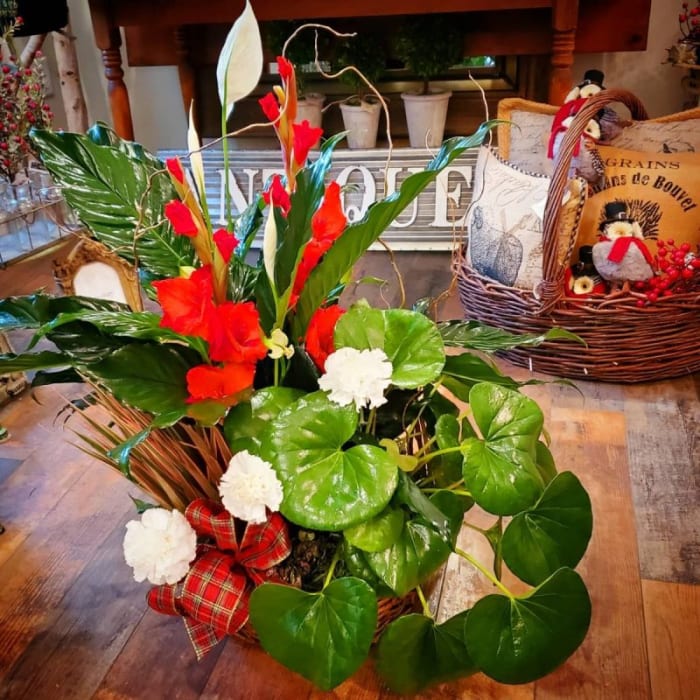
column 226, row 242
column 305, row 138
column 277, row 195
column 181, row 218
column 285, row 68
column 175, row 169
column 270, row 106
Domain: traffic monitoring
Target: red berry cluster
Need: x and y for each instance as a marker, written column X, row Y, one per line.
column 678, row 271
column 22, row 107
column 689, row 21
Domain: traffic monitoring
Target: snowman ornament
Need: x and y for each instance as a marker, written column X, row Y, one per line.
column 621, row 256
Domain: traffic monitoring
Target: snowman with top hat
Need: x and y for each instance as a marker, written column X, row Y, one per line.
column 621, row 256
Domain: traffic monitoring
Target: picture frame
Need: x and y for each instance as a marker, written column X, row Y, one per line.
column 92, row 270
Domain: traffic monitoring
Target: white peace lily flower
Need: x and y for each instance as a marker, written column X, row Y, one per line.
column 357, row 376
column 160, row 546
column 240, row 62
column 248, row 486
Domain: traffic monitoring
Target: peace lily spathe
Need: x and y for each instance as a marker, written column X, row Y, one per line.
column 160, row 546
column 240, row 62
column 357, row 376
column 249, row 486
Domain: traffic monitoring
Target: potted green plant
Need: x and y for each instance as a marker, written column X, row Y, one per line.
column 428, row 45
column 361, row 111
column 301, row 51
column 305, row 472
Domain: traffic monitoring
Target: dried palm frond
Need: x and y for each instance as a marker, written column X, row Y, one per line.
column 174, row 465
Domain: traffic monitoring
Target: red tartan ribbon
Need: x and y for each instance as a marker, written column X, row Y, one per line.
column 620, row 247
column 213, row 597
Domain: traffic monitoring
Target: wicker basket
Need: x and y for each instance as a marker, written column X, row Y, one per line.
column 624, row 342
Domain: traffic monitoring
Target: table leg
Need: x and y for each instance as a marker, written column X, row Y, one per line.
column 109, row 41
column 564, row 22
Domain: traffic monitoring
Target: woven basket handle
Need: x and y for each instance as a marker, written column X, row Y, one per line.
column 552, row 272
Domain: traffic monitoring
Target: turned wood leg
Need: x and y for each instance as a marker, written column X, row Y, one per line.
column 561, row 78
column 185, row 70
column 564, row 21
column 116, row 88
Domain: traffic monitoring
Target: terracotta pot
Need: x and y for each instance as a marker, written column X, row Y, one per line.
column 426, row 116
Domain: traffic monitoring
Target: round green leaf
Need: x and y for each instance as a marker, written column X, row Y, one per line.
column 521, row 639
column 414, row 345
column 545, row 462
column 446, row 469
column 418, row 551
column 357, row 566
column 327, row 487
column 410, row 340
column 500, row 470
column 323, row 636
column 377, row 533
column 414, row 652
column 553, row 534
column 246, row 422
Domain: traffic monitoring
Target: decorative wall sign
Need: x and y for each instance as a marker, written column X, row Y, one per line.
column 433, row 222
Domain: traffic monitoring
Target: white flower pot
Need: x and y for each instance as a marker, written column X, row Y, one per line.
column 310, row 108
column 362, row 123
column 426, row 116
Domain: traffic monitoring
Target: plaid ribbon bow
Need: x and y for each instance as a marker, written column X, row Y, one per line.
column 213, row 597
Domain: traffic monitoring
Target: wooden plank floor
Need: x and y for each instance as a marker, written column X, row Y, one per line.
column 74, row 625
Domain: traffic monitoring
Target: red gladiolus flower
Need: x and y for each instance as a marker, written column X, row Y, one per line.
column 278, row 195
column 218, row 383
column 270, row 106
column 181, row 218
column 285, row 68
column 305, row 138
column 328, row 221
column 187, row 302
column 226, row 242
column 313, row 252
column 235, row 334
column 319, row 336
column 174, row 167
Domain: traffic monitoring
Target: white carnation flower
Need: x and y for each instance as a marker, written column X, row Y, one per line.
column 248, row 486
column 357, row 376
column 160, row 546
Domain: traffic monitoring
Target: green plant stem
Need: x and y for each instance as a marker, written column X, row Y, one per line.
column 437, row 453
column 371, row 421
column 224, row 146
column 478, row 565
column 475, row 528
column 424, row 603
column 331, row 568
column 425, row 447
column 276, row 364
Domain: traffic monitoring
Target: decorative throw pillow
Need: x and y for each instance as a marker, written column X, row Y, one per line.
column 661, row 190
column 523, row 138
column 675, row 133
column 505, row 221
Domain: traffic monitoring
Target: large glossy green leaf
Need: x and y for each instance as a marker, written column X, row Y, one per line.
column 357, row 566
column 478, row 336
column 411, row 341
column 323, row 636
column 446, row 469
column 521, row 639
column 114, row 189
column 418, row 552
column 415, row 652
column 327, row 486
column 500, row 469
column 378, row 532
column 553, row 534
column 469, row 369
column 84, row 343
column 246, row 422
column 23, row 362
column 36, row 309
column 358, row 236
column 149, row 377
